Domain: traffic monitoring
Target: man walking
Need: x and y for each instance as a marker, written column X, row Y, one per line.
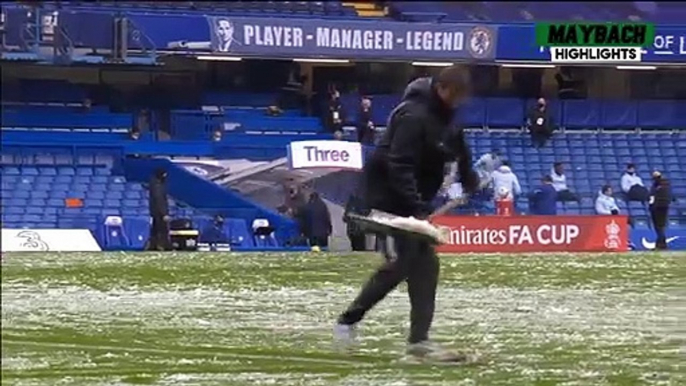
column 403, row 176
column 660, row 198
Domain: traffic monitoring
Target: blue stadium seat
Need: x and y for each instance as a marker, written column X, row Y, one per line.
column 95, row 194
column 84, row 171
column 110, row 203
column 29, row 171
column 98, row 187
column 114, row 194
column 93, row 203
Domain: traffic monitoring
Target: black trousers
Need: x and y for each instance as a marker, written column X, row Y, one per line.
column 409, row 260
column 358, row 241
column 659, row 217
column 539, row 138
column 159, row 235
column 322, row 242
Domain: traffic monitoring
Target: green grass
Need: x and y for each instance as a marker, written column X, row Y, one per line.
column 265, row 319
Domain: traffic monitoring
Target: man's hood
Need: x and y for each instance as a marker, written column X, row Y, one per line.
column 419, row 88
column 603, row 195
column 504, row 169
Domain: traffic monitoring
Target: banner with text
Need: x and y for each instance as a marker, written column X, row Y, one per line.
column 308, row 38
column 519, row 43
column 494, row 234
column 325, row 154
column 48, row 240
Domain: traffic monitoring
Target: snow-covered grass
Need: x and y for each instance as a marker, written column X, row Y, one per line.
column 265, row 319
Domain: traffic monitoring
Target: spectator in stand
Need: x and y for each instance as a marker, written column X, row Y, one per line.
column 365, row 126
column 543, row 200
column 632, row 185
column 560, row 184
column 87, row 104
column 605, row 204
column 135, row 133
column 539, row 124
column 486, row 165
column 660, row 199
column 505, row 180
column 217, row 135
column 334, row 118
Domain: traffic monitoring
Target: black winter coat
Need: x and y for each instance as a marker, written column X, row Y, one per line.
column 660, row 195
column 318, row 218
column 405, row 171
column 159, row 206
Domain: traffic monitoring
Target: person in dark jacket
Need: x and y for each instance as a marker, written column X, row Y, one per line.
column 318, row 221
column 357, row 237
column 159, row 211
column 539, row 123
column 334, row 113
column 365, row 125
column 402, row 177
column 660, row 198
column 543, row 200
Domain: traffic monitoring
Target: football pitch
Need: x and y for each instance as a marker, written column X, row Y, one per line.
column 266, row 319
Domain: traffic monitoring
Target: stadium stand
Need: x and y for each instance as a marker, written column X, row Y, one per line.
column 592, row 159
column 35, row 196
column 526, row 11
column 596, row 137
column 303, row 9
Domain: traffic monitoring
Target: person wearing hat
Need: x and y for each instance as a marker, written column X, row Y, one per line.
column 660, row 198
column 632, row 185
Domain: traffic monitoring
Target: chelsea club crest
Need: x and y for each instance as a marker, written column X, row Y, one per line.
column 480, row 44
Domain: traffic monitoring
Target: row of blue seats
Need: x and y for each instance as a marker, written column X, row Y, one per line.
column 84, row 171
column 20, row 118
column 47, row 213
column 136, row 232
column 73, row 191
column 242, row 140
column 573, row 114
column 46, row 158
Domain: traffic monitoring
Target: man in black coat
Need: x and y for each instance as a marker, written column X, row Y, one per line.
column 319, row 221
column 365, row 125
column 402, row 177
column 539, row 123
column 159, row 211
column 660, row 198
